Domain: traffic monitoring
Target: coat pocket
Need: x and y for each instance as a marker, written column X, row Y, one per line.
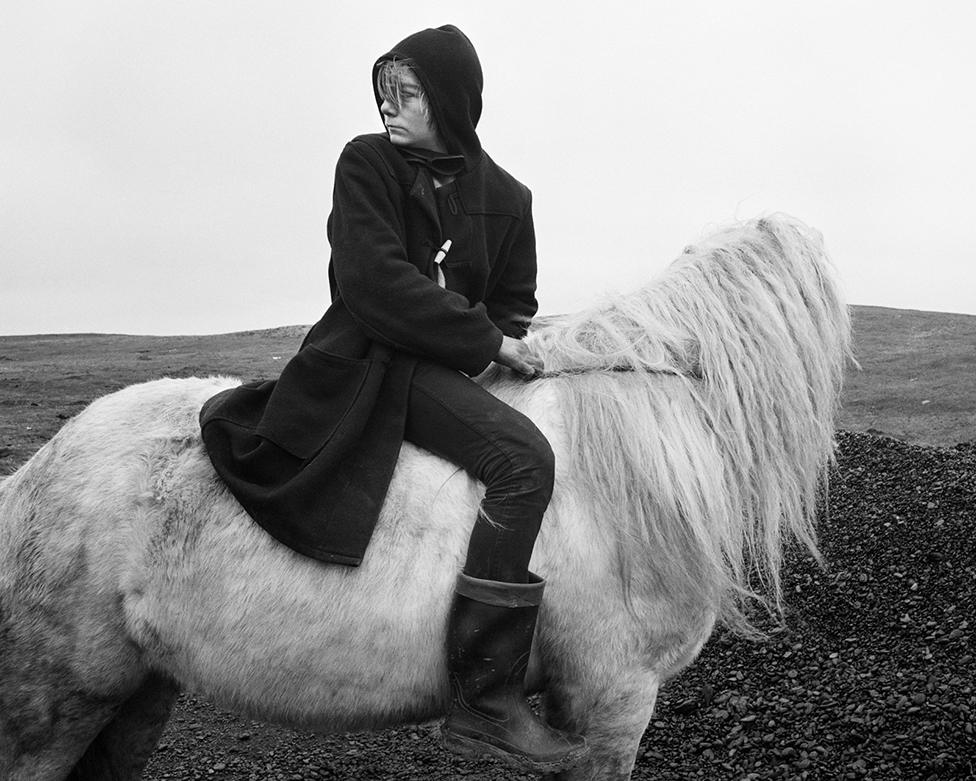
column 319, row 399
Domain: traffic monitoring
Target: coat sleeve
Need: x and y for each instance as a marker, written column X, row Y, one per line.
column 387, row 294
column 512, row 303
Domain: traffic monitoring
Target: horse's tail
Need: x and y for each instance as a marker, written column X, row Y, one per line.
column 750, row 325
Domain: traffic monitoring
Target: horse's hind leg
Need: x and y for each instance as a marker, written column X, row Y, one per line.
column 45, row 727
column 123, row 747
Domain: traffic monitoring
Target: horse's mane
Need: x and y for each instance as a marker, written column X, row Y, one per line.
column 701, row 408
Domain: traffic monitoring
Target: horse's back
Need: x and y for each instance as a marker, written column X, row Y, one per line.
column 68, row 515
column 174, row 578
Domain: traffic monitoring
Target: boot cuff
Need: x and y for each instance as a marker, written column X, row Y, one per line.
column 494, row 592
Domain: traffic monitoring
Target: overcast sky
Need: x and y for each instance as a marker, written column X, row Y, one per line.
column 166, row 167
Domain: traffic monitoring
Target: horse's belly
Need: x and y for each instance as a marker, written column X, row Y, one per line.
column 231, row 613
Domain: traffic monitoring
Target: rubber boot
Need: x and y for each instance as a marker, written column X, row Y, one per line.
column 489, row 639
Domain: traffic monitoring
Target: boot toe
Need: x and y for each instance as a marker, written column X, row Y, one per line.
column 528, row 744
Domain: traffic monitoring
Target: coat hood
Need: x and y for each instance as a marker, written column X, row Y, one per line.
column 447, row 66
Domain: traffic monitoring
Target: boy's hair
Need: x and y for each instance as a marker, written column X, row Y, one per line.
column 389, row 84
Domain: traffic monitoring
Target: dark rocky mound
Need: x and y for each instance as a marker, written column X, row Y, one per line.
column 873, row 677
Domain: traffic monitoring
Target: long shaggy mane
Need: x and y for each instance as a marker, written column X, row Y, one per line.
column 701, row 409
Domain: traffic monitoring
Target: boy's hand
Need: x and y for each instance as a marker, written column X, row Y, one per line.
column 516, row 355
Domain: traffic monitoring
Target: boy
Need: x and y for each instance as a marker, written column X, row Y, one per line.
column 433, row 277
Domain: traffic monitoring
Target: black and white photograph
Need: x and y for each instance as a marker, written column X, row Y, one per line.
column 493, row 391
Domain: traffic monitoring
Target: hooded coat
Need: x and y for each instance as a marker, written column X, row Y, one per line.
column 310, row 455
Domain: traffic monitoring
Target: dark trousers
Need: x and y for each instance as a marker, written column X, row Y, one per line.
column 454, row 417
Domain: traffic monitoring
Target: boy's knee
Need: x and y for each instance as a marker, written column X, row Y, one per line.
column 540, row 462
column 548, row 461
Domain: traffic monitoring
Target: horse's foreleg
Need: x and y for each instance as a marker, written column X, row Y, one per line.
column 124, row 745
column 612, row 714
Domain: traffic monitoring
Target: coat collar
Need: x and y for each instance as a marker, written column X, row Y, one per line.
column 483, row 189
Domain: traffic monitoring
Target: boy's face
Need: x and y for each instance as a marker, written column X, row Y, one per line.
column 406, row 123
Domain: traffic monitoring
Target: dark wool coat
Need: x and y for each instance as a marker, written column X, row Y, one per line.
column 310, row 456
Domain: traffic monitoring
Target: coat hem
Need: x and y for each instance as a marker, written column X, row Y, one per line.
column 311, row 551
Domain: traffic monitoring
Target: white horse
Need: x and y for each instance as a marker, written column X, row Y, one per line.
column 692, row 423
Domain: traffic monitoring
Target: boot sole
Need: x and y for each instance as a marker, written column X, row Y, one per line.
column 473, row 748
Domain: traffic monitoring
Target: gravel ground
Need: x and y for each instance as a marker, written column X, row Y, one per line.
column 872, row 678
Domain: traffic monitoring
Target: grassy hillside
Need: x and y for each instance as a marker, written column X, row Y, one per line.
column 918, row 376
column 915, row 384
